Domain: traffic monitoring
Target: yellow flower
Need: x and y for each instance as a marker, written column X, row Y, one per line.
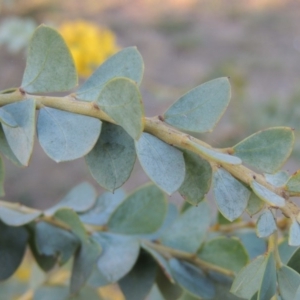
column 89, row 44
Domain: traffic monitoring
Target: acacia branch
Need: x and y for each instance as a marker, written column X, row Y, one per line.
column 161, row 130
column 168, row 253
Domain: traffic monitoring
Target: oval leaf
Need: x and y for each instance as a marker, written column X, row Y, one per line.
column 137, row 284
column 12, row 249
column 293, row 184
column 14, row 217
column 228, row 253
column 288, row 282
column 266, row 150
column 169, row 289
column 66, row 136
column 294, row 260
column 197, row 180
column 265, row 224
column 255, row 205
column 188, row 232
column 121, row 100
column 217, row 156
column 7, row 119
column 192, row 279
column 230, row 194
column 294, row 234
column 53, row 241
column 286, row 251
column 119, row 254
column 112, row 159
column 87, row 254
column 21, row 138
column 269, row 281
column 105, row 205
column 80, row 198
column 161, row 261
column 126, row 63
column 163, row 163
column 45, row 262
column 201, row 108
column 278, row 179
column 50, row 66
column 147, row 208
column 172, row 214
column 6, row 150
column 267, row 195
column 248, row 280
column 254, row 245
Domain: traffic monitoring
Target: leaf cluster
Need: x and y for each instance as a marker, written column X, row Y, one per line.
column 140, row 241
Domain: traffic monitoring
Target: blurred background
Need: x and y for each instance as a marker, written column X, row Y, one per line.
column 184, row 43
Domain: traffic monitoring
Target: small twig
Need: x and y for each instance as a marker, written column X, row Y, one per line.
column 168, row 253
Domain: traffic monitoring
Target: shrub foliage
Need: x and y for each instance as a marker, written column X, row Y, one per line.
column 140, row 241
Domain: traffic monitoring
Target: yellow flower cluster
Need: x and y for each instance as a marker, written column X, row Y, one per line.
column 89, row 44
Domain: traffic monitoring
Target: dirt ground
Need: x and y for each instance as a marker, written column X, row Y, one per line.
column 183, row 43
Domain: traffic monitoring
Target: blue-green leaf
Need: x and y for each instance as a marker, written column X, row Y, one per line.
column 201, row 108
column 6, row 150
column 266, row 224
column 14, row 217
column 147, row 208
column 54, row 241
column 189, row 230
column 269, row 281
column 45, row 262
column 266, row 195
column 21, row 138
column 230, row 194
column 104, row 207
column 255, row 205
column 121, row 100
column 87, row 254
column 254, row 245
column 138, row 282
column 7, row 119
column 126, row 63
column 161, row 261
column 248, row 280
column 171, row 215
column 119, row 254
column 168, row 288
column 112, row 159
column 293, row 184
column 12, row 249
column 198, row 174
column 294, row 260
column 66, row 136
column 163, row 163
column 278, row 179
column 228, row 253
column 294, row 234
column 155, row 294
column 286, row 251
column 50, row 66
column 192, row 279
column 217, row 156
column 288, row 282
column 80, row 198
column 266, row 150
